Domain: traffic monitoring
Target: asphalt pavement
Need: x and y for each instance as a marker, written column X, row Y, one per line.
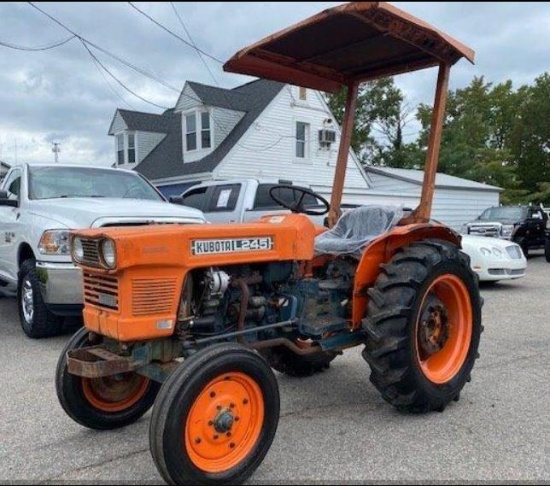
column 334, row 427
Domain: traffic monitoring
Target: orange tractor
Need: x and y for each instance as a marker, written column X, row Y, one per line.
column 192, row 319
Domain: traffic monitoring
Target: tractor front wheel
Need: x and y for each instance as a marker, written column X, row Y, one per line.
column 423, row 325
column 215, row 417
column 102, row 403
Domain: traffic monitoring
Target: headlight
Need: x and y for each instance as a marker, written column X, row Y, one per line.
column 54, row 242
column 507, row 230
column 108, row 253
column 77, row 250
column 492, row 252
column 485, row 251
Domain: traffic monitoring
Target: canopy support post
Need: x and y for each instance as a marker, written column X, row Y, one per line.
column 343, row 154
column 423, row 212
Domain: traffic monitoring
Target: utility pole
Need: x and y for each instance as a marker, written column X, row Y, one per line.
column 56, row 150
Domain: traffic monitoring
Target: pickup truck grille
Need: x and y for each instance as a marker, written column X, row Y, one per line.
column 101, row 291
column 153, row 296
column 484, row 230
column 91, row 252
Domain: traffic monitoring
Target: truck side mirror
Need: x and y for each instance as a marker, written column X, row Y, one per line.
column 6, row 201
column 176, row 200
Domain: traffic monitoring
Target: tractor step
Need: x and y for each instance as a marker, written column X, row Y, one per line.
column 343, row 340
column 321, row 326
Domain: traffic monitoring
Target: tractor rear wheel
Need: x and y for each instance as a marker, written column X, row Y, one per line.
column 283, row 360
column 102, row 403
column 215, row 417
column 423, row 325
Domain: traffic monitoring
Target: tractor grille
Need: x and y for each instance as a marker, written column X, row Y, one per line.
column 153, row 296
column 101, row 291
column 91, row 252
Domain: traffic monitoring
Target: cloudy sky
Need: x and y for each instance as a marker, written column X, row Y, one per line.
column 63, row 95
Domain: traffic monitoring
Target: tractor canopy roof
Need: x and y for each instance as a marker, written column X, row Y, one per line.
column 348, row 44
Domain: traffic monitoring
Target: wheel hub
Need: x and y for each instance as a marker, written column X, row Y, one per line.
column 434, row 327
column 27, row 301
column 224, row 421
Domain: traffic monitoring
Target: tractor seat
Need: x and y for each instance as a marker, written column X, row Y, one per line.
column 356, row 228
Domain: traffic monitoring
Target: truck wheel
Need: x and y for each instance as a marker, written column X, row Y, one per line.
column 36, row 319
column 547, row 249
column 283, row 360
column 524, row 246
column 423, row 327
column 215, row 417
column 102, row 403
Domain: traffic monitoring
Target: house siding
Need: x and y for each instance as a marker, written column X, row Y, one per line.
column 451, row 206
column 118, row 125
column 187, row 100
column 268, row 148
column 146, row 143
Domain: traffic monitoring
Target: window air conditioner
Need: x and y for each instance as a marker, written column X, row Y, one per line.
column 326, row 137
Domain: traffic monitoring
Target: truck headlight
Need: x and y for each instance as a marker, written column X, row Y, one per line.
column 78, row 250
column 54, row 242
column 108, row 253
column 507, row 230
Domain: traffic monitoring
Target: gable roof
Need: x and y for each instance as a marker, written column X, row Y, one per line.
column 442, row 181
column 144, row 122
column 166, row 160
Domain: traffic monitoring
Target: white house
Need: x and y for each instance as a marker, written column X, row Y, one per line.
column 266, row 129
column 262, row 129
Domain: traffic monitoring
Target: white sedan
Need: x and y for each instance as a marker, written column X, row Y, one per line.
column 494, row 259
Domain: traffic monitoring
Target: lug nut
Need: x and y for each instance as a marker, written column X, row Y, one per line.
column 197, row 440
column 212, row 394
column 245, row 401
column 231, row 445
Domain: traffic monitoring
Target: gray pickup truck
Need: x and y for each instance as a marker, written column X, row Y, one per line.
column 237, row 201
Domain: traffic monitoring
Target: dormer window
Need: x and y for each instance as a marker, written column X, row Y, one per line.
column 198, row 131
column 126, row 148
column 131, row 148
column 120, row 149
column 191, row 131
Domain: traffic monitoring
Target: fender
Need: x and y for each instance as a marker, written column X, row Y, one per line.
column 381, row 251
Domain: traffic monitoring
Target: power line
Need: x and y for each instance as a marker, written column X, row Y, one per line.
column 174, row 34
column 85, row 43
column 199, row 52
column 34, row 49
column 118, row 80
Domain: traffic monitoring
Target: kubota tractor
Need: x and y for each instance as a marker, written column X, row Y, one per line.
column 192, row 319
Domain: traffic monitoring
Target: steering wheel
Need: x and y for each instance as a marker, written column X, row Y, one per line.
column 298, row 205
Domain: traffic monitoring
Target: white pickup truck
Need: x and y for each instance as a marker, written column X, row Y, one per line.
column 40, row 205
column 237, row 201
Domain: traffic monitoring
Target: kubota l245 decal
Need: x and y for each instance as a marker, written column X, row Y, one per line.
column 231, row 245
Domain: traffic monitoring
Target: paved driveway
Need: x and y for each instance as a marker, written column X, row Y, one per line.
column 334, row 427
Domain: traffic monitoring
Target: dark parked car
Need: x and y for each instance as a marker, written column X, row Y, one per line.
column 524, row 225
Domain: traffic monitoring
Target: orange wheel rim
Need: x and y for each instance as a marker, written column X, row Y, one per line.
column 444, row 329
column 225, row 422
column 115, row 393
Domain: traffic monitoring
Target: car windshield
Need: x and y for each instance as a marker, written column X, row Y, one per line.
column 508, row 213
column 61, row 182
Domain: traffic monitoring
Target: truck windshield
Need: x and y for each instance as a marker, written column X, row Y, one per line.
column 505, row 213
column 61, row 182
